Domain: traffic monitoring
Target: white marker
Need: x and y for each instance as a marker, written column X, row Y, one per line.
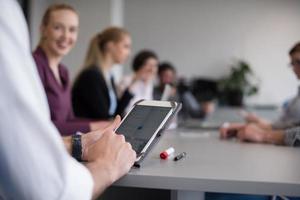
column 165, row 154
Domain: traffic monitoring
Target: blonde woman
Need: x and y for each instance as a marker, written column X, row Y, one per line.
column 94, row 93
column 59, row 30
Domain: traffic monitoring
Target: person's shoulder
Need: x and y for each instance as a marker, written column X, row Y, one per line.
column 40, row 59
column 89, row 74
column 91, row 71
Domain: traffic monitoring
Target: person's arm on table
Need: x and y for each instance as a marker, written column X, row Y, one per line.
column 254, row 133
column 228, row 130
column 259, row 121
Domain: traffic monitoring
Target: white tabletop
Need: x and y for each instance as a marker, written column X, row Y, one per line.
column 216, row 165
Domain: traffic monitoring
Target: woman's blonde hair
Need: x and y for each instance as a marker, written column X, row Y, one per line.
column 55, row 7
column 97, row 47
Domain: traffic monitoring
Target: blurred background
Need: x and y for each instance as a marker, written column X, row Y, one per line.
column 203, row 38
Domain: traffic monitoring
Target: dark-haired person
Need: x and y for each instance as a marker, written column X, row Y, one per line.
column 259, row 130
column 144, row 65
column 291, row 111
column 285, row 132
column 94, row 92
column 59, row 30
column 168, row 76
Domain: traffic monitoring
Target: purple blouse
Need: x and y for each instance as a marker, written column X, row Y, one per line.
column 59, row 96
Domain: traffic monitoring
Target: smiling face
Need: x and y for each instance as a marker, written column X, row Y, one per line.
column 295, row 62
column 59, row 35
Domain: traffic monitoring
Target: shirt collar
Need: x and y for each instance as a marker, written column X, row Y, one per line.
column 62, row 69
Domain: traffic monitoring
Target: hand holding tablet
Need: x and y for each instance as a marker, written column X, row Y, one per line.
column 144, row 123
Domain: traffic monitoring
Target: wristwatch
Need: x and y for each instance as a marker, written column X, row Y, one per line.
column 77, row 147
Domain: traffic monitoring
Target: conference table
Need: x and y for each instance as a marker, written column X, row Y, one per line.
column 215, row 165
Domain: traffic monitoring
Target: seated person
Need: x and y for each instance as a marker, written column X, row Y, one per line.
column 258, row 130
column 284, row 132
column 179, row 92
column 94, row 92
column 145, row 66
column 291, row 111
column 53, row 46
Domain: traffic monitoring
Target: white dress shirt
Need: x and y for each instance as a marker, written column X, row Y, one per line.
column 34, row 163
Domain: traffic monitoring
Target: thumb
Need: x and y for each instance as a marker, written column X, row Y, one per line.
column 115, row 124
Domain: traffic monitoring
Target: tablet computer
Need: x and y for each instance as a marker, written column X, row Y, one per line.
column 144, row 123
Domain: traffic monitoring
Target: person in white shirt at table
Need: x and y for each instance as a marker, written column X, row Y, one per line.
column 34, row 163
column 141, row 82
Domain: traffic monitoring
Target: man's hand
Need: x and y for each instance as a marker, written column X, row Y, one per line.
column 92, row 137
column 108, row 157
column 244, row 132
column 252, row 133
column 229, row 130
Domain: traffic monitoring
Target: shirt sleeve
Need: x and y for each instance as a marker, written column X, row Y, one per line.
column 284, row 124
column 292, row 136
column 34, row 162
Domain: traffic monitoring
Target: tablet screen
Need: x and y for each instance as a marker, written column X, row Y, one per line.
column 141, row 123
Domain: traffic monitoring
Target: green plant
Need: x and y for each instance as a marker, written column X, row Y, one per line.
column 239, row 80
column 238, row 84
